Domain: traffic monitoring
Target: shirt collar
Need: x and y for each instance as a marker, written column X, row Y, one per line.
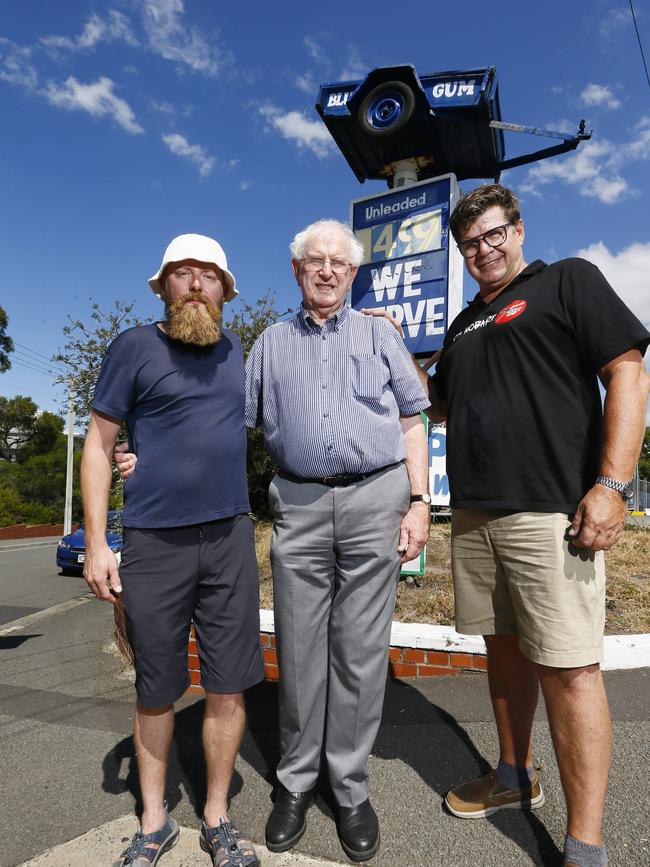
column 332, row 323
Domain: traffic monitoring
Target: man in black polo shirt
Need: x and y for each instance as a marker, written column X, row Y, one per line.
column 189, row 552
column 538, row 480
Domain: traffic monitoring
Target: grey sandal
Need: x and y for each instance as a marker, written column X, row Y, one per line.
column 227, row 846
column 140, row 852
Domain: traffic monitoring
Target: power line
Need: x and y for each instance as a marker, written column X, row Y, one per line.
column 638, row 37
column 31, row 367
column 38, row 356
column 20, row 357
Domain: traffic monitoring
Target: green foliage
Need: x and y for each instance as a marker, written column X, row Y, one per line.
column 32, row 474
column 84, row 350
column 249, row 323
column 6, row 343
column 46, row 436
column 17, row 423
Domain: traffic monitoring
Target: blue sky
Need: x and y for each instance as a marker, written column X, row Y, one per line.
column 128, row 122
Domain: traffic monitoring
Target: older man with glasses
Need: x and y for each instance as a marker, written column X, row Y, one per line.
column 539, row 483
column 339, row 401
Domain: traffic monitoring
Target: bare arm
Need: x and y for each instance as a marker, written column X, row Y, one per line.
column 600, row 516
column 100, row 567
column 414, row 530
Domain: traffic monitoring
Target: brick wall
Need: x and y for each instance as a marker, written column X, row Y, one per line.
column 402, row 661
column 32, row 531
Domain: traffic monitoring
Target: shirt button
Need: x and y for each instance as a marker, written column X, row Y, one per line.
column 326, row 415
column 325, row 386
column 330, row 447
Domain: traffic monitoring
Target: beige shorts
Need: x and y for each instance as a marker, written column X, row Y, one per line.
column 516, row 573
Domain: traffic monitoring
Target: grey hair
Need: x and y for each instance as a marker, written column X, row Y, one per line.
column 326, row 227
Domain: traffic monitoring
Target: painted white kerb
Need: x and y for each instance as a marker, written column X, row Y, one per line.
column 621, row 651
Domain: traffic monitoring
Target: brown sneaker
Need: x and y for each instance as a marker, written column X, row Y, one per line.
column 486, row 795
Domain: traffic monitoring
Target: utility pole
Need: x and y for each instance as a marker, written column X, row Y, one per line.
column 67, row 517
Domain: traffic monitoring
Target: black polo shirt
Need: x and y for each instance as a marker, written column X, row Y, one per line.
column 519, row 376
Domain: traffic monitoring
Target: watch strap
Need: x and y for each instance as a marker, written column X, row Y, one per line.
column 625, row 489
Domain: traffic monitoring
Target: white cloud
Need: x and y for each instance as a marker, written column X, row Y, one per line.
column 354, row 67
column 244, row 185
column 306, row 83
column 174, row 39
column 163, row 107
column 612, row 21
column 16, row 66
column 196, row 154
column 627, row 271
column 296, row 127
column 315, row 50
column 595, row 167
column 115, row 26
column 599, row 95
column 97, row 99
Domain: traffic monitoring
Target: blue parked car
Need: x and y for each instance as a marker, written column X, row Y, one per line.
column 71, row 550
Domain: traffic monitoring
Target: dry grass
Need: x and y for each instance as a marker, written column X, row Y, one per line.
column 628, row 582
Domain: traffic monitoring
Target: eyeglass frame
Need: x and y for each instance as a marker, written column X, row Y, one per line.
column 482, row 237
column 309, row 261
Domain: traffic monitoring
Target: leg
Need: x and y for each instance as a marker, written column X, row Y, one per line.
column 303, row 563
column 580, row 725
column 223, row 727
column 514, row 691
column 367, row 521
column 153, row 728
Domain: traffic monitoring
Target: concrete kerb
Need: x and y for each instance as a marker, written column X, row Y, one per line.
column 620, row 651
column 98, row 847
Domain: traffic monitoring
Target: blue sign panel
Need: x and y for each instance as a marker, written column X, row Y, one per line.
column 407, row 266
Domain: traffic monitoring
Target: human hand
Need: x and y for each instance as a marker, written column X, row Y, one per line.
column 125, row 460
column 101, row 573
column 414, row 531
column 378, row 311
column 599, row 519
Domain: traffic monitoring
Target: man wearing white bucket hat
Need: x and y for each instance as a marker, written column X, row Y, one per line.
column 189, row 551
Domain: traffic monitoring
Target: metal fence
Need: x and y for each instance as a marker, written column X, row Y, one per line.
column 640, row 500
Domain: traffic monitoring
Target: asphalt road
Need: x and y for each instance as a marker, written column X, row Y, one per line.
column 30, row 580
column 67, row 763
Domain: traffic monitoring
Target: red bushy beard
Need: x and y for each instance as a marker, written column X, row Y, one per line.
column 199, row 324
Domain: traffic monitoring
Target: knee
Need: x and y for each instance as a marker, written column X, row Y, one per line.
column 575, row 680
column 153, row 711
column 224, row 703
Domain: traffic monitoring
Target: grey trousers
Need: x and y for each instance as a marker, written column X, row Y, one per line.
column 335, row 572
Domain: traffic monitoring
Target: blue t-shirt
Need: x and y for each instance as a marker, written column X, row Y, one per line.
column 184, row 410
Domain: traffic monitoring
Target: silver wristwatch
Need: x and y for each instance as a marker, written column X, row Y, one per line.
column 625, row 489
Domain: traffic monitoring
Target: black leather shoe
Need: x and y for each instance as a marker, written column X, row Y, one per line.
column 359, row 831
column 287, row 822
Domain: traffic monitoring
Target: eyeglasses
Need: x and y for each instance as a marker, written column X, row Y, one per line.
column 493, row 238
column 316, row 263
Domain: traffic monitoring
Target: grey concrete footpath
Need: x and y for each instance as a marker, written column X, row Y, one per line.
column 98, row 847
column 69, row 778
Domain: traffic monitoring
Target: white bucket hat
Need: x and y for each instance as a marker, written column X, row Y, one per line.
column 202, row 249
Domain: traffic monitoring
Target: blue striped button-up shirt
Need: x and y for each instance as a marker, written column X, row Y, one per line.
column 330, row 398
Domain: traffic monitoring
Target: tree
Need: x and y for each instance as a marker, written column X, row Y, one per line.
column 46, row 436
column 85, row 348
column 6, row 343
column 17, row 422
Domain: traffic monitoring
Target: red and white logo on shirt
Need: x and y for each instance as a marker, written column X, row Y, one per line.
column 514, row 309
